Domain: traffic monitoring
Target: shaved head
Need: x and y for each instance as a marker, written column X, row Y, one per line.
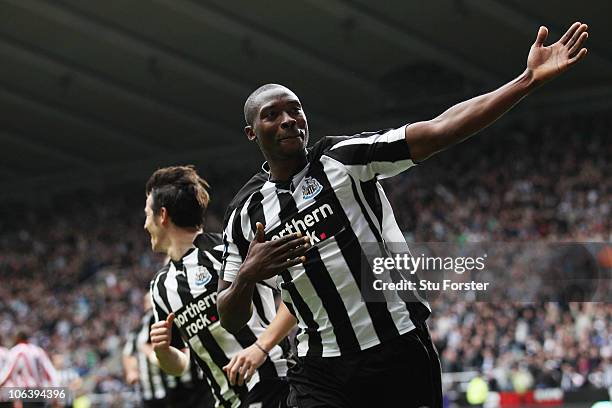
column 253, row 102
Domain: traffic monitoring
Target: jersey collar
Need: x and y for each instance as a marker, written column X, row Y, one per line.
column 288, row 185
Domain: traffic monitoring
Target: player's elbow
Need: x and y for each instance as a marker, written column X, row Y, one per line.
column 426, row 138
column 231, row 319
column 230, row 326
column 232, row 322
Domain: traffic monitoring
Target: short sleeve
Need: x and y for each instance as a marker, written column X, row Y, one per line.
column 129, row 349
column 232, row 237
column 374, row 155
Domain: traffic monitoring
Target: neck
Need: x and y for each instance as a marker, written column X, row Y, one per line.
column 180, row 241
column 284, row 169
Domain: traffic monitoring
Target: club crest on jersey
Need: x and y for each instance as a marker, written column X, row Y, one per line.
column 311, row 188
column 202, row 276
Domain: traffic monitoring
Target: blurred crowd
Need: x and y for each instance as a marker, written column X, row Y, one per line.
column 551, row 183
column 74, row 270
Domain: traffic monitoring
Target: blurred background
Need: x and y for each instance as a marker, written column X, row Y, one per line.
column 95, row 95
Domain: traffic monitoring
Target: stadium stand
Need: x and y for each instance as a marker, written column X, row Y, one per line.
column 75, row 267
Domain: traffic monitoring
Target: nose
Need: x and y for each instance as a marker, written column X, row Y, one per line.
column 288, row 121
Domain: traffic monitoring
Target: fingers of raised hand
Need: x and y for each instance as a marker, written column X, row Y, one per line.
column 576, row 36
column 578, row 56
column 568, row 34
column 578, row 44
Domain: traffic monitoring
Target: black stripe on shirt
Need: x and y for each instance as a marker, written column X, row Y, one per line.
column 214, row 386
column 315, row 344
column 163, row 294
column 372, row 198
column 365, row 153
column 216, row 354
column 238, row 235
column 259, row 307
column 255, row 210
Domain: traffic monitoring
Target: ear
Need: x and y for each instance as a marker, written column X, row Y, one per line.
column 163, row 215
column 250, row 133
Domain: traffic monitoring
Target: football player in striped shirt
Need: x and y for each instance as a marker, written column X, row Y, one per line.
column 184, row 294
column 157, row 388
column 354, row 353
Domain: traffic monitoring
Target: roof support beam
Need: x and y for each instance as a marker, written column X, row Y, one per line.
column 100, row 176
column 525, row 23
column 101, row 130
column 235, row 26
column 54, row 66
column 536, row 107
column 372, row 20
column 19, row 140
column 69, row 16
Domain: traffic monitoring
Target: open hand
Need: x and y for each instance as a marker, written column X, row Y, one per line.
column 546, row 62
column 266, row 259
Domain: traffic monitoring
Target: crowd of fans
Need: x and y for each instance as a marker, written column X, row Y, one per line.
column 526, row 186
column 75, row 269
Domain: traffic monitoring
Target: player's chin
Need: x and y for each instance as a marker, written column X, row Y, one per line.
column 291, row 147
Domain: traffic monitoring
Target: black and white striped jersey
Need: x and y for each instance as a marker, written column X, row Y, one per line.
column 188, row 288
column 337, row 201
column 154, row 383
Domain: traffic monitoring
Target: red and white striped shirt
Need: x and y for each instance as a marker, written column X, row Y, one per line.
column 3, row 357
column 28, row 366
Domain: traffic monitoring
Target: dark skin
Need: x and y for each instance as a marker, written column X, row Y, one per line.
column 281, row 131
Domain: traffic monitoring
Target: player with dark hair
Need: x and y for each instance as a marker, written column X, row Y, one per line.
column 354, row 353
column 184, row 294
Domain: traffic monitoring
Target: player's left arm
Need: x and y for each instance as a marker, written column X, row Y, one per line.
column 467, row 118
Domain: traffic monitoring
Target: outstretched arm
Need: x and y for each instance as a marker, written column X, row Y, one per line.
column 469, row 117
